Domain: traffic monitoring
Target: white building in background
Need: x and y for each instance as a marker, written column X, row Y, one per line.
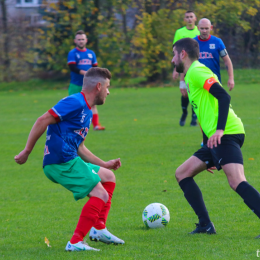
column 27, row 9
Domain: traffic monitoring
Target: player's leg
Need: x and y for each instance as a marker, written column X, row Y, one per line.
column 184, row 100
column 95, row 119
column 99, row 231
column 81, row 180
column 192, row 193
column 89, row 215
column 231, row 158
column 193, row 118
column 238, row 182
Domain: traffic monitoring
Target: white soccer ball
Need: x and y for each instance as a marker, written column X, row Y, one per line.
column 156, row 215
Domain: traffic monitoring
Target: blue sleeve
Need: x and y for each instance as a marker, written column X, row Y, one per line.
column 221, row 45
column 67, row 108
column 71, row 57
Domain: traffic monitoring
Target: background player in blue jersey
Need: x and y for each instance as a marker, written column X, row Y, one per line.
column 68, row 162
column 211, row 47
column 81, row 59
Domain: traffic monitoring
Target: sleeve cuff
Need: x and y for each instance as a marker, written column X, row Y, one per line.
column 57, row 118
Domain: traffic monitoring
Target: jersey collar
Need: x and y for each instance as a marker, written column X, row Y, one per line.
column 85, row 49
column 85, row 100
column 204, row 40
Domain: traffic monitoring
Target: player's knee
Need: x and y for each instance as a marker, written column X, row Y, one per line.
column 178, row 174
column 233, row 185
column 111, row 176
column 104, row 196
column 99, row 192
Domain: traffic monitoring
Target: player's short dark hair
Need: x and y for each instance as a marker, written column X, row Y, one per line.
column 190, row 45
column 189, row 11
column 80, row 32
column 98, row 72
column 93, row 76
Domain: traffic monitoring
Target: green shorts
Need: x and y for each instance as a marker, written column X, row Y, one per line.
column 76, row 175
column 74, row 89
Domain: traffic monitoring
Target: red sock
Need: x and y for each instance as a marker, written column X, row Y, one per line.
column 101, row 222
column 95, row 120
column 88, row 217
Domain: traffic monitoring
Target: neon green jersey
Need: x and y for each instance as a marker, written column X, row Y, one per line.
column 185, row 33
column 198, row 80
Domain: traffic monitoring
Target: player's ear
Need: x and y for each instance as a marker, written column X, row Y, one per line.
column 98, row 86
column 75, row 41
column 211, row 27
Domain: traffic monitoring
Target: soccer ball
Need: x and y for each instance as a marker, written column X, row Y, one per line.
column 156, row 215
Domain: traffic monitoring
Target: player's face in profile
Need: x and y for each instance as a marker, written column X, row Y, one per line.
column 80, row 41
column 176, row 60
column 190, row 18
column 101, row 97
column 204, row 28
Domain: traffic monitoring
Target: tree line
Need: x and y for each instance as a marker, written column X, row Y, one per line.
column 130, row 38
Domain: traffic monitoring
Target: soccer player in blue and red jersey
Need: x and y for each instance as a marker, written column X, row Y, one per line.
column 81, row 59
column 211, row 47
column 68, row 162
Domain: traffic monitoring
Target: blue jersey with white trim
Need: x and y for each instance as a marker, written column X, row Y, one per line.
column 73, row 116
column 84, row 60
column 209, row 53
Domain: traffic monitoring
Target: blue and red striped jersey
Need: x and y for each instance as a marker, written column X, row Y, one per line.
column 73, row 115
column 84, row 60
column 209, row 53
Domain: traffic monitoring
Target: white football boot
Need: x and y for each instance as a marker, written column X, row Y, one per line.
column 80, row 246
column 104, row 236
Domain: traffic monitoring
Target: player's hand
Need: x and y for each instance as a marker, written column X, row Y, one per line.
column 113, row 164
column 184, row 92
column 175, row 75
column 211, row 169
column 22, row 157
column 231, row 84
column 215, row 139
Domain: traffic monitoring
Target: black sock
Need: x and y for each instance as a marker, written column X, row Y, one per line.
column 193, row 113
column 184, row 104
column 250, row 196
column 193, row 195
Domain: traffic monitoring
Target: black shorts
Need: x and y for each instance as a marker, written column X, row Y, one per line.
column 227, row 152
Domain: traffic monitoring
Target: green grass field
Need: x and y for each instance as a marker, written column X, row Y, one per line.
column 142, row 129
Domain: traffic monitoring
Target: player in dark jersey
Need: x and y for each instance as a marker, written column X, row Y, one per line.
column 211, row 47
column 68, row 162
column 81, row 59
column 190, row 30
column 222, row 128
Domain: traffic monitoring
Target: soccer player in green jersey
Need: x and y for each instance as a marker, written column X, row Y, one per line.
column 223, row 131
column 191, row 31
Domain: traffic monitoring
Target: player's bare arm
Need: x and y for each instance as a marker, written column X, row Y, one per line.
column 87, row 156
column 38, row 129
column 229, row 67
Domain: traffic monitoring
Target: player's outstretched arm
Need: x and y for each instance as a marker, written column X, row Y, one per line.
column 87, row 156
column 38, row 129
column 229, row 67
